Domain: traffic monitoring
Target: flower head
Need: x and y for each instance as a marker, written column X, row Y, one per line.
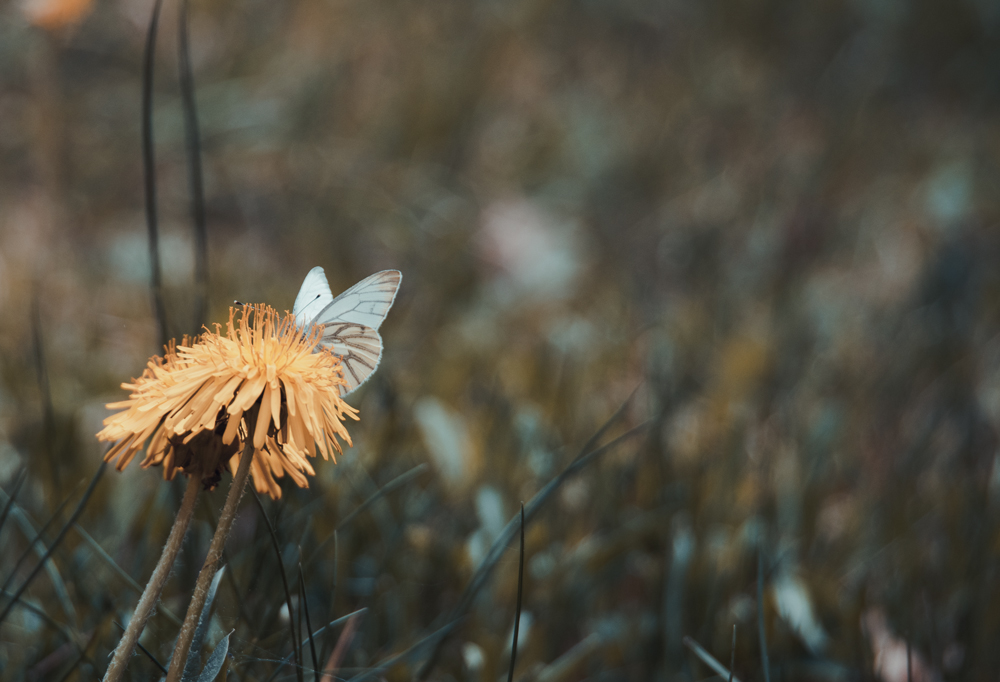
column 196, row 405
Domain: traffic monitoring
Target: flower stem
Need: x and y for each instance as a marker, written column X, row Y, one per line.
column 155, row 585
column 214, row 558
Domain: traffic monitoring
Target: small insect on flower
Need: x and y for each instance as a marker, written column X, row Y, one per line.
column 286, row 375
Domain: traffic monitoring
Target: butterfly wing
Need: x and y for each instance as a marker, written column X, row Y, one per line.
column 350, row 321
column 359, row 348
column 366, row 303
column 313, row 298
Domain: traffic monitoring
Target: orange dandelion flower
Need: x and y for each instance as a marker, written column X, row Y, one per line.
column 192, row 405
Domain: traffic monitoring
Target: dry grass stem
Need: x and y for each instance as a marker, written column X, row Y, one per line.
column 214, row 557
column 123, row 652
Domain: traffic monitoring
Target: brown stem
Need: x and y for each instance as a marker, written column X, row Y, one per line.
column 214, row 558
column 155, row 585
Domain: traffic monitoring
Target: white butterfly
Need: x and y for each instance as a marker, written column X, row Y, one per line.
column 350, row 321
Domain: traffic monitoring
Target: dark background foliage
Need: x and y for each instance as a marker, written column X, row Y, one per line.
column 776, row 220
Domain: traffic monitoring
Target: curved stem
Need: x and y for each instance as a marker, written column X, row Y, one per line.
column 214, row 558
column 155, row 585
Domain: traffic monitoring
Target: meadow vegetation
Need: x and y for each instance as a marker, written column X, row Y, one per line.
column 749, row 247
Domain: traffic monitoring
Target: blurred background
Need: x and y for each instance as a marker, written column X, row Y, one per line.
column 771, row 223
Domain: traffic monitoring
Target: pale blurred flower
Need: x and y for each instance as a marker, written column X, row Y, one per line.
column 446, row 435
column 893, row 663
column 795, row 606
column 538, row 255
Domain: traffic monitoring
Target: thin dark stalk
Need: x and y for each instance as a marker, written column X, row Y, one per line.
column 214, row 557
column 42, row 376
column 64, row 630
column 332, row 624
column 482, row 574
column 149, row 174
column 37, row 539
column 309, row 627
column 868, row 666
column 732, row 655
column 300, row 674
column 192, row 138
column 146, row 651
column 151, row 657
column 517, row 613
column 384, row 490
column 932, row 634
column 592, row 441
column 909, row 661
column 760, row 615
column 58, row 539
column 21, row 476
column 106, row 558
column 305, row 610
column 333, row 587
column 708, row 659
column 284, row 583
column 435, row 637
column 81, row 657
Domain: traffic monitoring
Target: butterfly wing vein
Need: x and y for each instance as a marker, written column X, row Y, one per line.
column 351, row 320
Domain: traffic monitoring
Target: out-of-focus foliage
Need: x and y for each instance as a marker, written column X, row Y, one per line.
column 777, row 219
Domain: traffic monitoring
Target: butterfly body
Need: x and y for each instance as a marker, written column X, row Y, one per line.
column 350, row 321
